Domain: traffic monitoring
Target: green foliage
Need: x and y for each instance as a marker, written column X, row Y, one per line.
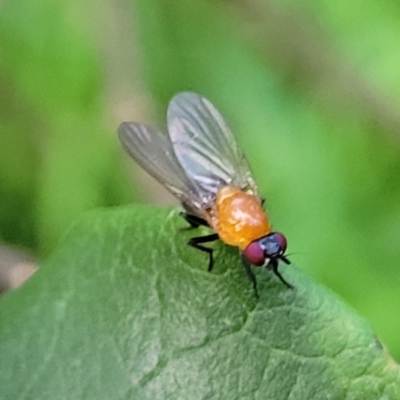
column 124, row 309
column 57, row 158
column 311, row 91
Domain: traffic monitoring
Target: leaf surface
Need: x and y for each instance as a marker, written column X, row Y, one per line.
column 125, row 310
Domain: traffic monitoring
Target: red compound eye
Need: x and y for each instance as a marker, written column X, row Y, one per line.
column 254, row 253
column 281, row 240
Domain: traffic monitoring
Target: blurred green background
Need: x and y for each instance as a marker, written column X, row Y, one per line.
column 311, row 90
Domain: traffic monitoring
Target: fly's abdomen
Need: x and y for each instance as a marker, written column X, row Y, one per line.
column 239, row 218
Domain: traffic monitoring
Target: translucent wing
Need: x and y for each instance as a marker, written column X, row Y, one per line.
column 205, row 146
column 152, row 150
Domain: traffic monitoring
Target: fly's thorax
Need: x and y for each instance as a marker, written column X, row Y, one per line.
column 238, row 217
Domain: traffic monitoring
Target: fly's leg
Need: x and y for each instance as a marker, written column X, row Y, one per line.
column 192, row 220
column 273, row 266
column 196, row 242
column 250, row 273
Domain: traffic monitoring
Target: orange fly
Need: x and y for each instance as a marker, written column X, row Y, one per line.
column 200, row 163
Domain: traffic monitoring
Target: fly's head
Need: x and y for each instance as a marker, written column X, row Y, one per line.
column 268, row 251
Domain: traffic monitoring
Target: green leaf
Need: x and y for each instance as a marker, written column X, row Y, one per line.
column 51, row 113
column 124, row 309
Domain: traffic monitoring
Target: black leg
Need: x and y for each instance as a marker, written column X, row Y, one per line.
column 273, row 265
column 192, row 220
column 196, row 242
column 250, row 273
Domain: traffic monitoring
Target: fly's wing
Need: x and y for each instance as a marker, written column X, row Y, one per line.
column 205, row 146
column 152, row 150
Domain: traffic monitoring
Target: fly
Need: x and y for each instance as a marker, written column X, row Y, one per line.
column 201, row 164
